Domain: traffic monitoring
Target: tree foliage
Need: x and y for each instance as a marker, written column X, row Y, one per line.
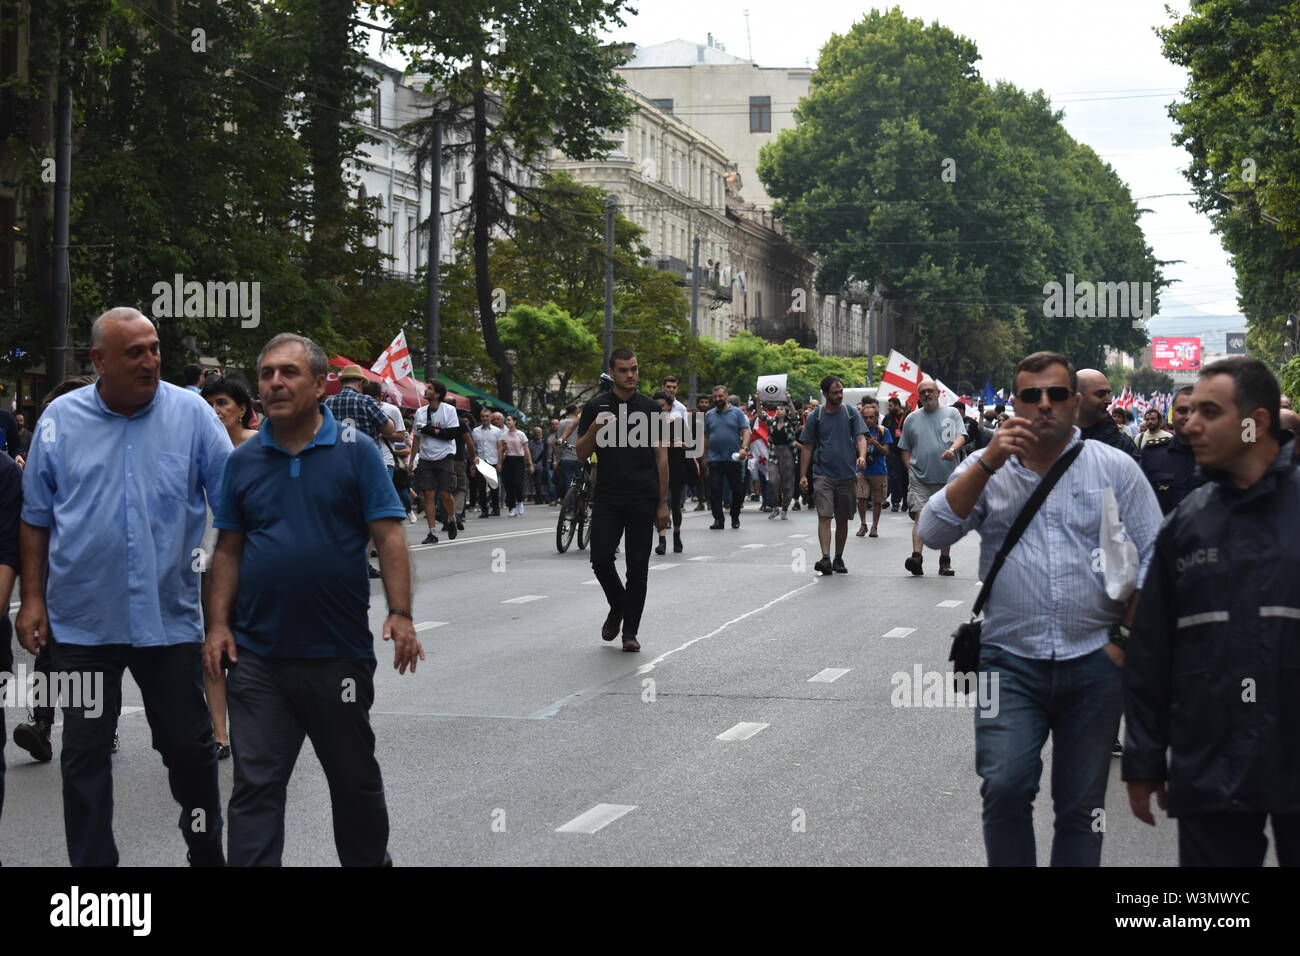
column 960, row 200
column 1239, row 123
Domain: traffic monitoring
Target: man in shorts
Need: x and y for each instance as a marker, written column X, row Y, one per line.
column 932, row 437
column 436, row 428
column 873, row 481
column 834, row 445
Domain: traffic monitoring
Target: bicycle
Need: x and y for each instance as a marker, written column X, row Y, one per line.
column 575, row 512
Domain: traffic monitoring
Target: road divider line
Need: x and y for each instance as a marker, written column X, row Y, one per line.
column 596, row 819
column 899, row 632
column 429, row 625
column 524, row 599
column 829, row 675
column 647, row 668
column 949, row 604
column 742, row 731
column 660, row 567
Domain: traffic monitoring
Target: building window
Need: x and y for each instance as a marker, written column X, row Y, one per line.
column 376, row 114
column 665, row 105
column 760, row 114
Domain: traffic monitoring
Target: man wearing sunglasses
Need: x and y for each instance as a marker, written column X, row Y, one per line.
column 1094, row 420
column 1050, row 633
column 932, row 437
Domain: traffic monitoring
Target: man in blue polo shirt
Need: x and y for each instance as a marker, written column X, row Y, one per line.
column 289, row 604
column 114, row 507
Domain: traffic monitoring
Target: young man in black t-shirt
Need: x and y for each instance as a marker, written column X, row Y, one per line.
column 624, row 429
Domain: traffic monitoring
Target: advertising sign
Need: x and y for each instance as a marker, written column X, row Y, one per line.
column 1176, row 354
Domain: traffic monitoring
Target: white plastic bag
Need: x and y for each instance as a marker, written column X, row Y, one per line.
column 1119, row 555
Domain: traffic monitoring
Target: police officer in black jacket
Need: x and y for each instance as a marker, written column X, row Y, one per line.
column 1094, row 419
column 1213, row 665
column 1169, row 463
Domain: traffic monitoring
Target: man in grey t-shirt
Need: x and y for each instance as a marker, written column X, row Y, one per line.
column 932, row 437
column 835, row 446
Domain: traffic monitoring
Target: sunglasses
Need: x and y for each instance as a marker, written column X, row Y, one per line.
column 1055, row 394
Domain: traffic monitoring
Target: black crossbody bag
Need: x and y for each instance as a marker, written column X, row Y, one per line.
column 965, row 653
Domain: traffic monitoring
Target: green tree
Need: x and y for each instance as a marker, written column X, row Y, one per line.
column 1238, row 124
column 521, row 78
column 960, row 212
column 1149, row 381
column 549, row 343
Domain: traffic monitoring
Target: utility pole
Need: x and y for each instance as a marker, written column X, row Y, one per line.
column 695, row 306
column 431, row 316
column 610, row 203
column 57, row 360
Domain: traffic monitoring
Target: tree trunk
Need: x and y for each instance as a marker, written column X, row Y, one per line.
column 325, row 112
column 483, row 222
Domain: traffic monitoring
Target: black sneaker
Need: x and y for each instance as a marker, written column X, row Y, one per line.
column 1117, row 748
column 945, row 568
column 717, row 526
column 630, row 643
column 677, row 543
column 913, row 564
column 839, row 566
column 374, row 572
column 484, row 514
column 735, row 524
column 430, row 538
column 662, row 546
column 824, row 566
column 796, row 506
column 223, row 751
column 609, row 630
column 450, row 528
column 460, row 522
column 35, row 739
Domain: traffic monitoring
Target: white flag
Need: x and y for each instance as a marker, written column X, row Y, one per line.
column 946, row 395
column 898, row 380
column 771, row 388
column 395, row 361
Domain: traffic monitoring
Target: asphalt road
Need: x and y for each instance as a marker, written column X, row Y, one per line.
column 524, row 739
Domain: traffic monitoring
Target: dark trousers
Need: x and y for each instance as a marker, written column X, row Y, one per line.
column 633, row 521
column 274, row 704
column 513, row 472
column 1236, row 839
column 728, row 471
column 171, row 683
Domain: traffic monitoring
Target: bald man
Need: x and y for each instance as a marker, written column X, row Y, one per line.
column 1094, row 419
column 114, row 508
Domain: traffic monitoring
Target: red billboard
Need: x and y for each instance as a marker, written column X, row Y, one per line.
column 1179, row 355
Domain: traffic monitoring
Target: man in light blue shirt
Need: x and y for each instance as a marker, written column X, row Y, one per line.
column 1051, row 634
column 114, row 506
column 726, row 433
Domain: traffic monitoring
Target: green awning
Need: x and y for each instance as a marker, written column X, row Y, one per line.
column 483, row 398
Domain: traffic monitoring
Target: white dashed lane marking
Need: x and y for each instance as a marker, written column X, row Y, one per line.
column 429, row 625
column 949, row 604
column 524, row 599
column 742, row 731
column 598, row 817
column 899, row 632
column 828, row 675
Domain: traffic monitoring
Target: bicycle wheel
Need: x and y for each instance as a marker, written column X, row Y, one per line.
column 567, row 523
column 584, row 524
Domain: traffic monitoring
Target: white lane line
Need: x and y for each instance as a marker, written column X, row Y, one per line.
column 949, row 604
column 899, row 632
column 128, row 711
column 796, row 535
column 429, row 625
column 647, row 668
column 742, row 731
column 660, row 567
column 523, row 599
column 462, row 539
column 597, row 818
column 700, row 557
column 829, row 675
column 592, row 581
column 743, row 546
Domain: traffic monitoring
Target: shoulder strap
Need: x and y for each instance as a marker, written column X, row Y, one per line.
column 1023, row 519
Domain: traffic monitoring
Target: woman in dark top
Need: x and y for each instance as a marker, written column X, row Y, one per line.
column 676, row 473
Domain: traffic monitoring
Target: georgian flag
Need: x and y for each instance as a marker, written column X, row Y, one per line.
column 946, row 395
column 899, row 380
column 395, row 361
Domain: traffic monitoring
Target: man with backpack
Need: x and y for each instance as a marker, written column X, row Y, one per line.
column 835, row 448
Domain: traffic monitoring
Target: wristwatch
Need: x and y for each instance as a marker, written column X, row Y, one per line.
column 1119, row 635
column 405, row 614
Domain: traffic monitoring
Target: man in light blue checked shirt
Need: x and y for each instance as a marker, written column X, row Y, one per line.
column 113, row 512
column 1050, row 632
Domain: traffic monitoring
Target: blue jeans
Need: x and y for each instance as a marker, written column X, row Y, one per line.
column 564, row 477
column 1079, row 701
